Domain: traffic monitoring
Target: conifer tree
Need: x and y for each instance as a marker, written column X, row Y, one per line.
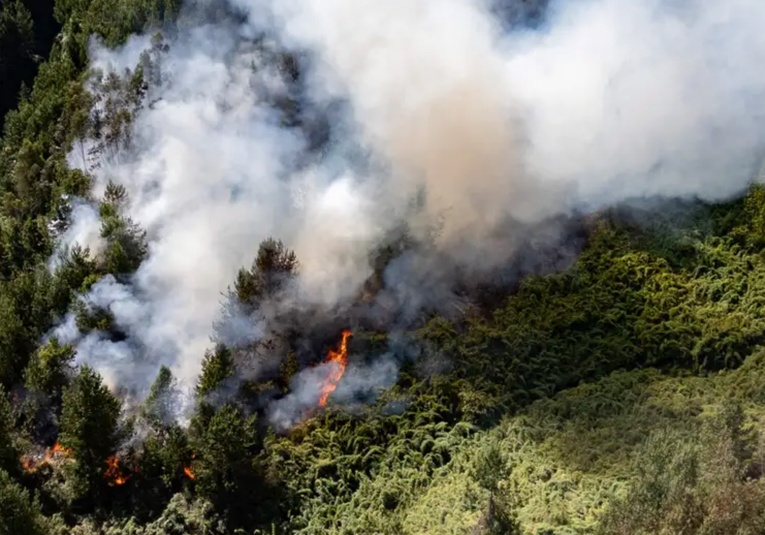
column 224, row 450
column 88, row 426
column 163, row 394
column 216, row 367
column 19, row 515
column 49, row 368
column 8, row 454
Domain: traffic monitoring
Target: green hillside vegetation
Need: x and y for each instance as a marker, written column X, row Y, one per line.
column 27, row 31
column 625, row 395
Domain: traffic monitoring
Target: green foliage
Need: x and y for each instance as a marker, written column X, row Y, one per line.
column 490, row 468
column 10, row 327
column 356, row 474
column 17, row 42
column 618, row 307
column 273, row 268
column 158, row 407
column 24, row 315
column 182, row 516
column 216, row 367
column 92, row 318
column 49, row 370
column 18, row 513
column 223, row 463
column 697, row 487
column 88, row 426
column 287, row 369
column 166, row 453
column 71, row 276
column 752, row 229
column 45, row 377
column 9, row 457
column 126, row 241
column 597, row 458
column 115, row 20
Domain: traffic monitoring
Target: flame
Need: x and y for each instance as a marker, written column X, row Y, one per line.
column 113, row 472
column 187, row 469
column 31, row 463
column 60, row 450
column 339, row 360
column 28, row 464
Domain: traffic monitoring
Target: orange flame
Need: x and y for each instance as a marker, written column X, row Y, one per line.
column 113, row 472
column 30, row 463
column 339, row 360
column 187, row 469
column 58, row 449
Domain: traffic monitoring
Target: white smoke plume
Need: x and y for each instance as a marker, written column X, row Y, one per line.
column 359, row 381
column 606, row 101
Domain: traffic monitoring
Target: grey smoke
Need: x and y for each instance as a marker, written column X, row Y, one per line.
column 608, row 100
column 359, row 381
column 82, row 226
column 630, row 99
column 127, row 361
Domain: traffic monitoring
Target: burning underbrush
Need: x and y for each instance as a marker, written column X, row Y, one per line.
column 56, row 454
column 119, row 470
column 116, row 472
column 277, row 363
column 337, row 361
column 285, row 358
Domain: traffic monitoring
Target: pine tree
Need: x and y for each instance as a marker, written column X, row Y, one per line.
column 88, row 426
column 273, row 268
column 224, row 449
column 126, row 240
column 9, row 457
column 163, row 394
column 16, row 52
column 18, row 513
column 216, row 367
column 48, row 370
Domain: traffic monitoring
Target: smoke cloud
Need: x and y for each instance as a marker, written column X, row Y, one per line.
column 360, row 382
column 497, row 130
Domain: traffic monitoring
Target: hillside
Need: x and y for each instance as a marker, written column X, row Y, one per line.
column 607, row 377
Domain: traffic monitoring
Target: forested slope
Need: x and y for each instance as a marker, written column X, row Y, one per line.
column 622, row 395
column 27, row 30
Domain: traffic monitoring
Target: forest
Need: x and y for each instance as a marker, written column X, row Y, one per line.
column 623, row 393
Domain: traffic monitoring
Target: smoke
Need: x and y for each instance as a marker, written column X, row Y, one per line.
column 498, row 130
column 124, row 358
column 81, row 227
column 360, row 383
column 633, row 99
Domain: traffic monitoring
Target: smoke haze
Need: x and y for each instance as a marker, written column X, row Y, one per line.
column 606, row 101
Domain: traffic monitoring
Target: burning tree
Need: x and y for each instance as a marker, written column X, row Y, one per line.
column 338, row 361
column 114, row 475
column 189, row 473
